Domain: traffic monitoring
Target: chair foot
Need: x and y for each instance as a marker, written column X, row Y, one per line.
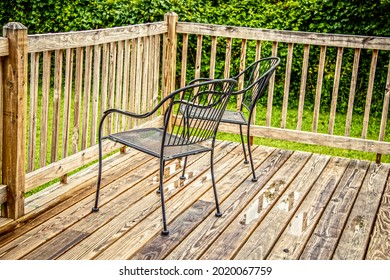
column 95, row 209
column 255, row 179
column 164, row 232
column 158, row 191
column 246, row 161
column 183, row 177
column 218, row 214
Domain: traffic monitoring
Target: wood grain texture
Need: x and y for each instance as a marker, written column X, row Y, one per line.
column 4, row 47
column 370, row 90
column 193, row 221
column 352, row 91
column 177, row 200
column 275, row 178
column 355, row 238
column 33, row 112
column 148, row 208
column 325, row 236
column 44, row 42
column 296, row 37
column 334, row 141
column 379, row 248
column 55, row 135
column 335, row 92
column 287, row 85
column 302, row 90
column 292, row 241
column 46, row 69
column 261, row 241
column 3, row 194
column 320, row 77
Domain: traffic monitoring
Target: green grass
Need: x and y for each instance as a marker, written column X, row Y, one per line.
column 339, row 129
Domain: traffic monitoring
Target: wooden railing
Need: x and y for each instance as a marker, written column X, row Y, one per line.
column 71, row 78
column 219, row 39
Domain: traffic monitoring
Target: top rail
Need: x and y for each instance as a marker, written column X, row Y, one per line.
column 57, row 41
column 298, row 37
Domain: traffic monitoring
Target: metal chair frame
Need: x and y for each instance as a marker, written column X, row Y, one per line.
column 180, row 136
column 255, row 79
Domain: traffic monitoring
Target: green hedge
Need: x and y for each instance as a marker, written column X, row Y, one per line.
column 329, row 16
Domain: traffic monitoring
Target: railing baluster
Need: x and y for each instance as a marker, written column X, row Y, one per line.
column 67, row 101
column 242, row 67
column 56, row 105
column 32, row 138
column 335, row 92
column 385, row 112
column 45, row 107
column 104, row 85
column 369, row 93
column 302, row 91
column 87, row 95
column 320, row 78
column 126, row 81
column 77, row 99
column 287, row 84
column 271, row 88
column 228, row 54
column 352, row 91
column 119, row 83
column 95, row 92
column 111, row 85
column 183, row 73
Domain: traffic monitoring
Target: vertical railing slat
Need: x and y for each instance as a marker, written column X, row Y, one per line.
column 352, row 91
column 183, row 73
column 370, row 89
column 133, row 74
column 111, row 85
column 97, row 54
column 119, row 83
column 156, row 78
column 198, row 59
column 104, row 83
column 77, row 99
column 228, row 55
column 46, row 70
column 125, row 88
column 145, row 75
column 271, row 88
column 320, row 79
column 302, row 90
column 240, row 84
column 213, row 55
column 287, row 84
column 56, row 105
column 87, row 96
column 335, row 92
column 67, row 101
column 32, row 137
column 385, row 112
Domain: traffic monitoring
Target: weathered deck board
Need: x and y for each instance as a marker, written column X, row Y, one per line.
column 293, row 239
column 325, row 237
column 202, row 212
column 379, row 247
column 303, row 206
column 266, row 234
column 356, row 235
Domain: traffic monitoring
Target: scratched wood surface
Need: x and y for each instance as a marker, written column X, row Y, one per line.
column 304, row 206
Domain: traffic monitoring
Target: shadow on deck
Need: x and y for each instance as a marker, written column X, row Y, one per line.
column 304, row 206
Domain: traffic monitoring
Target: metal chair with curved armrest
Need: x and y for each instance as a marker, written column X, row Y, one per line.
column 255, row 79
column 180, row 135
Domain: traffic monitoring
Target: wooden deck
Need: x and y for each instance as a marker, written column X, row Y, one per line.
column 304, row 206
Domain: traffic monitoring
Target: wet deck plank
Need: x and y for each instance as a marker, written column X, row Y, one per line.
column 304, row 206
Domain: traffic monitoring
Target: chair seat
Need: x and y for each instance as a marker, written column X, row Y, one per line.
column 148, row 140
column 233, row 117
column 228, row 116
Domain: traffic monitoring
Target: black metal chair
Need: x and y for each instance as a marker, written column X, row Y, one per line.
column 256, row 77
column 180, row 135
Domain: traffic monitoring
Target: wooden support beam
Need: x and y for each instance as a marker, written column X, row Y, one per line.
column 169, row 56
column 14, row 118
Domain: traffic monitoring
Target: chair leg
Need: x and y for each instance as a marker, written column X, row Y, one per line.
column 243, row 146
column 218, row 213
column 99, row 179
column 183, row 177
column 254, row 178
column 165, row 230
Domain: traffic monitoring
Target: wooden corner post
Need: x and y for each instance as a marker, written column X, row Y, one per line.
column 169, row 56
column 14, row 118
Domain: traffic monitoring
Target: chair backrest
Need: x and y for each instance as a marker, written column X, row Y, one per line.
column 255, row 79
column 196, row 112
